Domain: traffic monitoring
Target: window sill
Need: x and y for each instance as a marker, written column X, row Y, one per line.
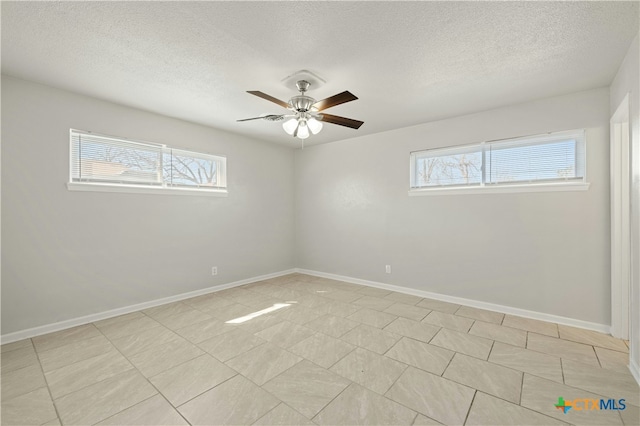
column 140, row 189
column 503, row 189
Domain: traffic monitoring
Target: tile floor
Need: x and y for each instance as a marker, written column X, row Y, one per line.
column 339, row 353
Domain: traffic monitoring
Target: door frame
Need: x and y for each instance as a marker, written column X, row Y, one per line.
column 620, row 219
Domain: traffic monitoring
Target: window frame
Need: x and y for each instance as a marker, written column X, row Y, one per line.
column 164, row 187
column 574, row 184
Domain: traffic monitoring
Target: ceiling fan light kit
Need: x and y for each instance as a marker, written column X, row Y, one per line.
column 306, row 118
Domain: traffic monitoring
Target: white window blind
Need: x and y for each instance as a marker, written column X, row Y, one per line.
column 105, row 160
column 552, row 158
column 534, row 160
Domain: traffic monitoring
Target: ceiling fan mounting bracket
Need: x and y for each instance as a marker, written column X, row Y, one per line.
column 313, row 79
column 303, row 86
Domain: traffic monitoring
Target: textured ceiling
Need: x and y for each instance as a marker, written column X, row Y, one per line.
column 408, row 62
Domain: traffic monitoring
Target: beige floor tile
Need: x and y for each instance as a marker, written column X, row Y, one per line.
column 421, row 355
column 230, row 312
column 261, row 287
column 208, row 302
column 127, row 327
column 630, row 415
column 233, row 293
column 165, row 356
column 499, row 333
column 201, row 331
column 371, row 338
column 235, row 402
column 438, row 305
column 563, row 349
column 74, row 352
column 375, row 303
column 413, row 329
column 285, row 334
column 372, row 317
column 306, row 387
column 612, row 360
column 297, row 314
column 183, row 382
column 322, row 349
column 373, row 371
column 541, row 395
column 167, row 310
column 183, row 319
column 22, row 381
column 338, row 309
column 408, row 299
column 33, row 408
column 374, row 292
column 153, row 411
column 488, row 410
column 424, row 420
column 54, row 422
column 493, row 379
column 344, row 286
column 593, row 338
column 104, row 399
column 258, row 324
column 332, row 325
column 145, row 340
column 450, row 321
column 86, row 372
column 20, row 344
column 20, row 358
column 440, row 399
column 464, row 343
column 64, row 337
column 258, row 301
column 415, row 313
column 230, row 344
column 311, row 301
column 119, row 319
column 528, row 361
column 283, row 415
column 341, row 295
column 613, row 384
column 480, row 314
column 360, row 406
column 263, row 363
column 527, row 324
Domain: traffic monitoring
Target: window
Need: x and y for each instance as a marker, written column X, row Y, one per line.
column 555, row 161
column 112, row 164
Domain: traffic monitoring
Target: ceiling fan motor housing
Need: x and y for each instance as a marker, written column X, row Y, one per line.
column 302, row 103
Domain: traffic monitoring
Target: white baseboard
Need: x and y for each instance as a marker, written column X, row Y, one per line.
column 74, row 322
column 62, row 325
column 602, row 328
column 635, row 370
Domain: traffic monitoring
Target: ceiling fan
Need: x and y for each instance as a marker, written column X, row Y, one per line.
column 306, row 116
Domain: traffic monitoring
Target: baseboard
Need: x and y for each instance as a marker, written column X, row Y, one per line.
column 635, row 370
column 602, row 328
column 62, row 325
column 74, row 322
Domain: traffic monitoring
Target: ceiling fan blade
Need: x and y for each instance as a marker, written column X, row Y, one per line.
column 269, row 98
column 334, row 100
column 270, row 117
column 341, row 121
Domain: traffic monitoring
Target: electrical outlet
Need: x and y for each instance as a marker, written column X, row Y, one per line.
column 214, row 270
column 387, row 269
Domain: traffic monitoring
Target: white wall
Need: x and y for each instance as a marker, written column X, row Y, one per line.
column 69, row 254
column 546, row 252
column 628, row 81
